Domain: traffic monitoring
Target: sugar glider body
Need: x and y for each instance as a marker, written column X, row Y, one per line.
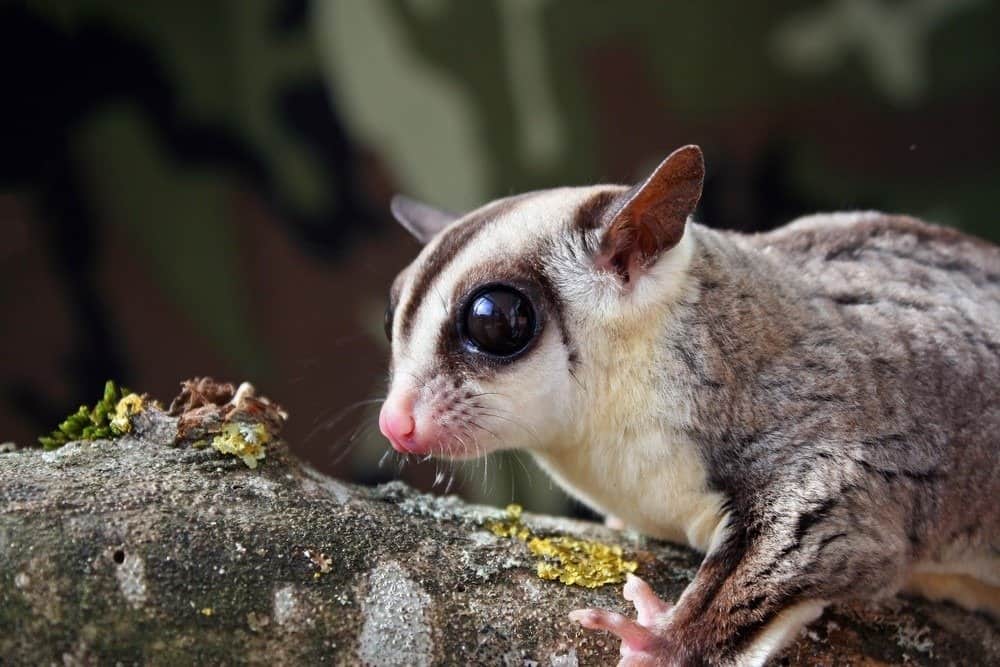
column 817, row 408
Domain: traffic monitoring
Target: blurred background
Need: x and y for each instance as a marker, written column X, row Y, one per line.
column 201, row 188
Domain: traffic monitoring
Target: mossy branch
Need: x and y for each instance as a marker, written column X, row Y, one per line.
column 147, row 550
column 88, row 423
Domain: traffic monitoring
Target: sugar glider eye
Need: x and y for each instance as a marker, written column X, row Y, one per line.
column 498, row 320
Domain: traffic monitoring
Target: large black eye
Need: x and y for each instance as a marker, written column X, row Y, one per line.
column 499, row 321
column 387, row 322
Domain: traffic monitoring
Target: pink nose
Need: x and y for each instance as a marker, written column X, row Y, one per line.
column 398, row 426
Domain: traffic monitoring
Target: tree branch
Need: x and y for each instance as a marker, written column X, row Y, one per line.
column 139, row 552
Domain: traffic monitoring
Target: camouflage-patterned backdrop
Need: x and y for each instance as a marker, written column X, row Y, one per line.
column 192, row 188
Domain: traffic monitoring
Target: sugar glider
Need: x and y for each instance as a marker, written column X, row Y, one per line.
column 817, row 408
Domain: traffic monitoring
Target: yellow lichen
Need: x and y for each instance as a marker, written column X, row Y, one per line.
column 572, row 561
column 207, row 611
column 246, row 441
column 512, row 526
column 129, row 405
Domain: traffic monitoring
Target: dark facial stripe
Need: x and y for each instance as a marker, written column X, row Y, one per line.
column 592, row 213
column 556, row 309
column 451, row 243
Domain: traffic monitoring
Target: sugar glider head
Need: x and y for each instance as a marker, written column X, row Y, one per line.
column 492, row 325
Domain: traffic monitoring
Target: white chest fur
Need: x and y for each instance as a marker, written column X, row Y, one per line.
column 622, row 451
column 653, row 483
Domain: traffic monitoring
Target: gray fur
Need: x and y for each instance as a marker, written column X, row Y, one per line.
column 856, row 361
column 846, row 378
column 843, row 378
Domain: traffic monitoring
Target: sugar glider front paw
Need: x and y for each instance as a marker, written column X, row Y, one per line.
column 642, row 641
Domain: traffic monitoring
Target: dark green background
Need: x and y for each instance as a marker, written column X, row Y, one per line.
column 194, row 188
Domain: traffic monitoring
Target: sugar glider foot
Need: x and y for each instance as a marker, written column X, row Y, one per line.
column 640, row 641
column 763, row 398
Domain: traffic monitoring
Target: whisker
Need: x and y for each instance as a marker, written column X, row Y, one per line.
column 528, row 431
column 353, row 440
column 483, row 428
column 464, row 443
column 486, row 393
column 506, row 417
column 513, row 488
column 527, row 473
column 361, row 429
column 476, row 448
column 486, row 464
column 325, row 412
column 329, row 423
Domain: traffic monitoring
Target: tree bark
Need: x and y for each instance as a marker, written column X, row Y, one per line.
column 135, row 552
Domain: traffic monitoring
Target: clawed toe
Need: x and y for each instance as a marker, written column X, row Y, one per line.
column 637, row 635
column 633, row 635
column 648, row 604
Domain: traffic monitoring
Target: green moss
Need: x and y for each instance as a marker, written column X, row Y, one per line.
column 88, row 423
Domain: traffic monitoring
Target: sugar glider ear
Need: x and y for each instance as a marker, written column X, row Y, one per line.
column 651, row 218
column 421, row 220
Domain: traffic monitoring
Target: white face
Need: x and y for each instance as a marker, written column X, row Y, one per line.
column 482, row 339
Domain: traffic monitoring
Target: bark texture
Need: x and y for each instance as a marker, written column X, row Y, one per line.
column 136, row 552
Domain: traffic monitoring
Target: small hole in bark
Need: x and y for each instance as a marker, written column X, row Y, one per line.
column 119, row 556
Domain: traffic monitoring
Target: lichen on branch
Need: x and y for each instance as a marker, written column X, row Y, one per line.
column 570, row 560
column 234, row 420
